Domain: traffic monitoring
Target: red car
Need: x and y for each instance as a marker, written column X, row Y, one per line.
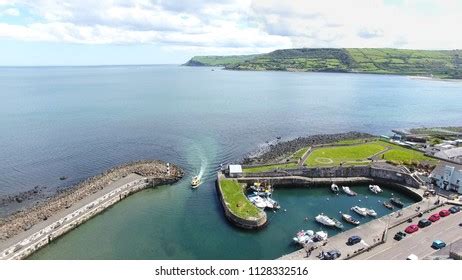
column 444, row 213
column 411, row 229
column 433, row 218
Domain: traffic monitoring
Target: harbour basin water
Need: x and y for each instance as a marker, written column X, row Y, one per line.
column 78, row 121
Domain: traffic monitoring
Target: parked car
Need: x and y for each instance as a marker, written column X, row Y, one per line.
column 433, row 218
column 401, row 233
column 411, row 229
column 438, row 244
column 454, row 209
column 444, row 213
column 424, row 223
column 353, row 240
column 398, row 237
column 331, row 255
column 412, row 257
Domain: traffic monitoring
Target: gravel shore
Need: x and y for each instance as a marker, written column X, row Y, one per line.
column 156, row 171
column 277, row 152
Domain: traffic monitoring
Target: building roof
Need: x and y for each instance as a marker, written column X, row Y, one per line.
column 235, row 168
column 451, row 153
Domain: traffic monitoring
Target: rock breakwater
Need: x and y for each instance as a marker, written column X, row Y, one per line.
column 156, row 172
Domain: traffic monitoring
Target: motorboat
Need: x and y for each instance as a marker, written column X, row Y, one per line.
column 396, row 201
column 320, row 236
column 388, row 205
column 304, row 236
column 257, row 201
column 359, row 210
column 350, row 219
column 323, row 219
column 371, row 212
column 195, row 182
column 334, row 188
column 265, row 193
column 348, row 191
column 271, row 203
column 375, row 189
column 338, row 224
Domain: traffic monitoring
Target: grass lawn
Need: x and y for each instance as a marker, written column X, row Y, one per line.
column 298, row 154
column 234, row 197
column 330, row 156
column 402, row 155
column 354, row 141
column 269, row 167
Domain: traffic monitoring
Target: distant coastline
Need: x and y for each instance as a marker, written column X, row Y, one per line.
column 443, row 64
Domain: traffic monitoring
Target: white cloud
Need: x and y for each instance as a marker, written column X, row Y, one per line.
column 238, row 26
column 12, row 12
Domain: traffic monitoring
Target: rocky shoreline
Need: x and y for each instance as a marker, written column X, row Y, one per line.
column 157, row 172
column 276, row 152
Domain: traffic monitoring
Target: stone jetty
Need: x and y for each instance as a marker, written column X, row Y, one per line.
column 81, row 202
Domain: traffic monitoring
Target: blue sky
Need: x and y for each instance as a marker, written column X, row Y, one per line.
column 88, row 32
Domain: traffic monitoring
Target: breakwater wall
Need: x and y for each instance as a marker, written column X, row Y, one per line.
column 331, row 174
column 111, row 187
column 248, row 223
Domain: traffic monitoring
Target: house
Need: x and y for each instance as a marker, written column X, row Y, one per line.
column 448, row 176
column 454, row 154
column 235, row 170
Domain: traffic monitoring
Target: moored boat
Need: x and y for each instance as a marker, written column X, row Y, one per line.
column 271, row 203
column 396, row 201
column 371, row 212
column 350, row 219
column 359, row 210
column 323, row 219
column 304, row 236
column 375, row 189
column 388, row 205
column 348, row 191
column 334, row 188
column 338, row 224
column 320, row 236
column 257, row 201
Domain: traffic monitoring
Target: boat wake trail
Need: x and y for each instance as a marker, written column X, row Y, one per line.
column 203, row 166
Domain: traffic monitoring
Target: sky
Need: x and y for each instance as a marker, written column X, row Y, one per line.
column 102, row 32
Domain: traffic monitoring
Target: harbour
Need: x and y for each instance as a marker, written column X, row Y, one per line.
column 167, row 124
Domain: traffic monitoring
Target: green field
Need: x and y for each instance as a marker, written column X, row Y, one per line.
column 272, row 167
column 434, row 63
column 236, row 200
column 359, row 154
column 331, row 156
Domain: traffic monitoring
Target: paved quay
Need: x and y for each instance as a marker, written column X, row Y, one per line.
column 27, row 242
column 417, row 243
column 372, row 233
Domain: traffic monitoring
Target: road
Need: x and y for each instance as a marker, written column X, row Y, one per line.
column 418, row 243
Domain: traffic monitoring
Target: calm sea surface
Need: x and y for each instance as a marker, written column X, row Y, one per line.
column 79, row 121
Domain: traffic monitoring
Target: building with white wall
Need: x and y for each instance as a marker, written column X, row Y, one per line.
column 448, row 176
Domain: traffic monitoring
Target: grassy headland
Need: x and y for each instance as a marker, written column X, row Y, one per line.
column 445, row 64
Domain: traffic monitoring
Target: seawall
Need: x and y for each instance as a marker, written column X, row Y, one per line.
column 250, row 223
column 23, row 244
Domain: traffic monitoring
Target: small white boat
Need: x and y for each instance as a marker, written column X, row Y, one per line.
column 348, row 191
column 271, row 203
column 320, row 236
column 375, row 189
column 371, row 212
column 359, row 210
column 304, row 236
column 257, row 201
column 334, row 188
column 323, row 219
column 338, row 224
column 265, row 193
column 350, row 219
column 195, row 182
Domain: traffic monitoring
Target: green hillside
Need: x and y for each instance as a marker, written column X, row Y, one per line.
column 437, row 63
